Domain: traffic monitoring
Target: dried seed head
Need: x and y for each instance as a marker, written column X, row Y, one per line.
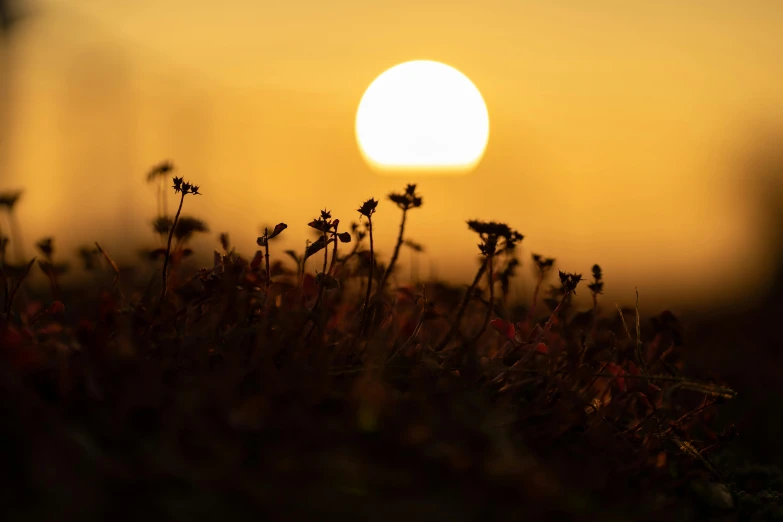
column 408, row 199
column 368, row 207
column 543, row 264
column 489, row 246
column 490, row 232
column 569, row 281
column 320, row 224
column 597, row 286
column 185, row 187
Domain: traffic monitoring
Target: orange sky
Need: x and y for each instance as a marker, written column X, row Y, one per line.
column 614, row 124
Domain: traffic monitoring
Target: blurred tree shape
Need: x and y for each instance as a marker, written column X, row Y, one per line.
column 10, row 15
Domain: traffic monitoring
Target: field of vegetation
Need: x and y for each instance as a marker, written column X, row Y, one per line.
column 324, row 385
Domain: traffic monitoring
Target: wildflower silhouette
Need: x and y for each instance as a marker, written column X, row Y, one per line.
column 8, row 202
column 184, row 188
column 263, row 241
column 367, row 210
column 160, row 173
column 405, row 201
column 496, row 238
column 542, row 265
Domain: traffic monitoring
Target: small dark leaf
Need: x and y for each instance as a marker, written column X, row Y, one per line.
column 320, row 224
column 278, row 228
column 261, row 241
column 345, row 237
column 315, row 247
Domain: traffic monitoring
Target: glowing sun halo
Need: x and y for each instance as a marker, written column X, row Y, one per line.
column 422, row 115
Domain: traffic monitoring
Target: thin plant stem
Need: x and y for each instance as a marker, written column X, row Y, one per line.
column 266, row 259
column 15, row 288
column 543, row 332
column 168, row 247
column 592, row 328
column 490, row 308
column 540, row 280
column 323, row 273
column 395, row 254
column 334, row 251
column 163, row 198
column 463, row 306
column 16, row 231
column 369, row 277
column 345, row 260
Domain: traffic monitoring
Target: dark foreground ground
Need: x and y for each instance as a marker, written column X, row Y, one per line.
column 194, row 411
column 250, row 391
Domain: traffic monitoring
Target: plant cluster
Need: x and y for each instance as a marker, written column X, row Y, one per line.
column 286, row 387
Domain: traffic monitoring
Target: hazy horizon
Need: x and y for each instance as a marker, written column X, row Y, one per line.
column 616, row 130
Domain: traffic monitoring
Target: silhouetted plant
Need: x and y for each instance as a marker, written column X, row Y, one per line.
column 3, row 246
column 184, row 188
column 263, row 241
column 496, row 238
column 415, row 249
column 358, row 233
column 596, row 288
column 324, row 225
column 244, row 366
column 161, row 225
column 8, row 202
column 186, row 227
column 367, row 210
column 160, row 173
column 48, row 266
column 13, row 286
column 542, row 266
column 505, row 277
column 405, row 201
column 89, row 257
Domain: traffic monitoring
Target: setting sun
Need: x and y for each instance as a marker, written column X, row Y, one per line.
column 422, row 115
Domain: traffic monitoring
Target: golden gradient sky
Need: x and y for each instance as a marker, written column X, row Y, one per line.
column 614, row 125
